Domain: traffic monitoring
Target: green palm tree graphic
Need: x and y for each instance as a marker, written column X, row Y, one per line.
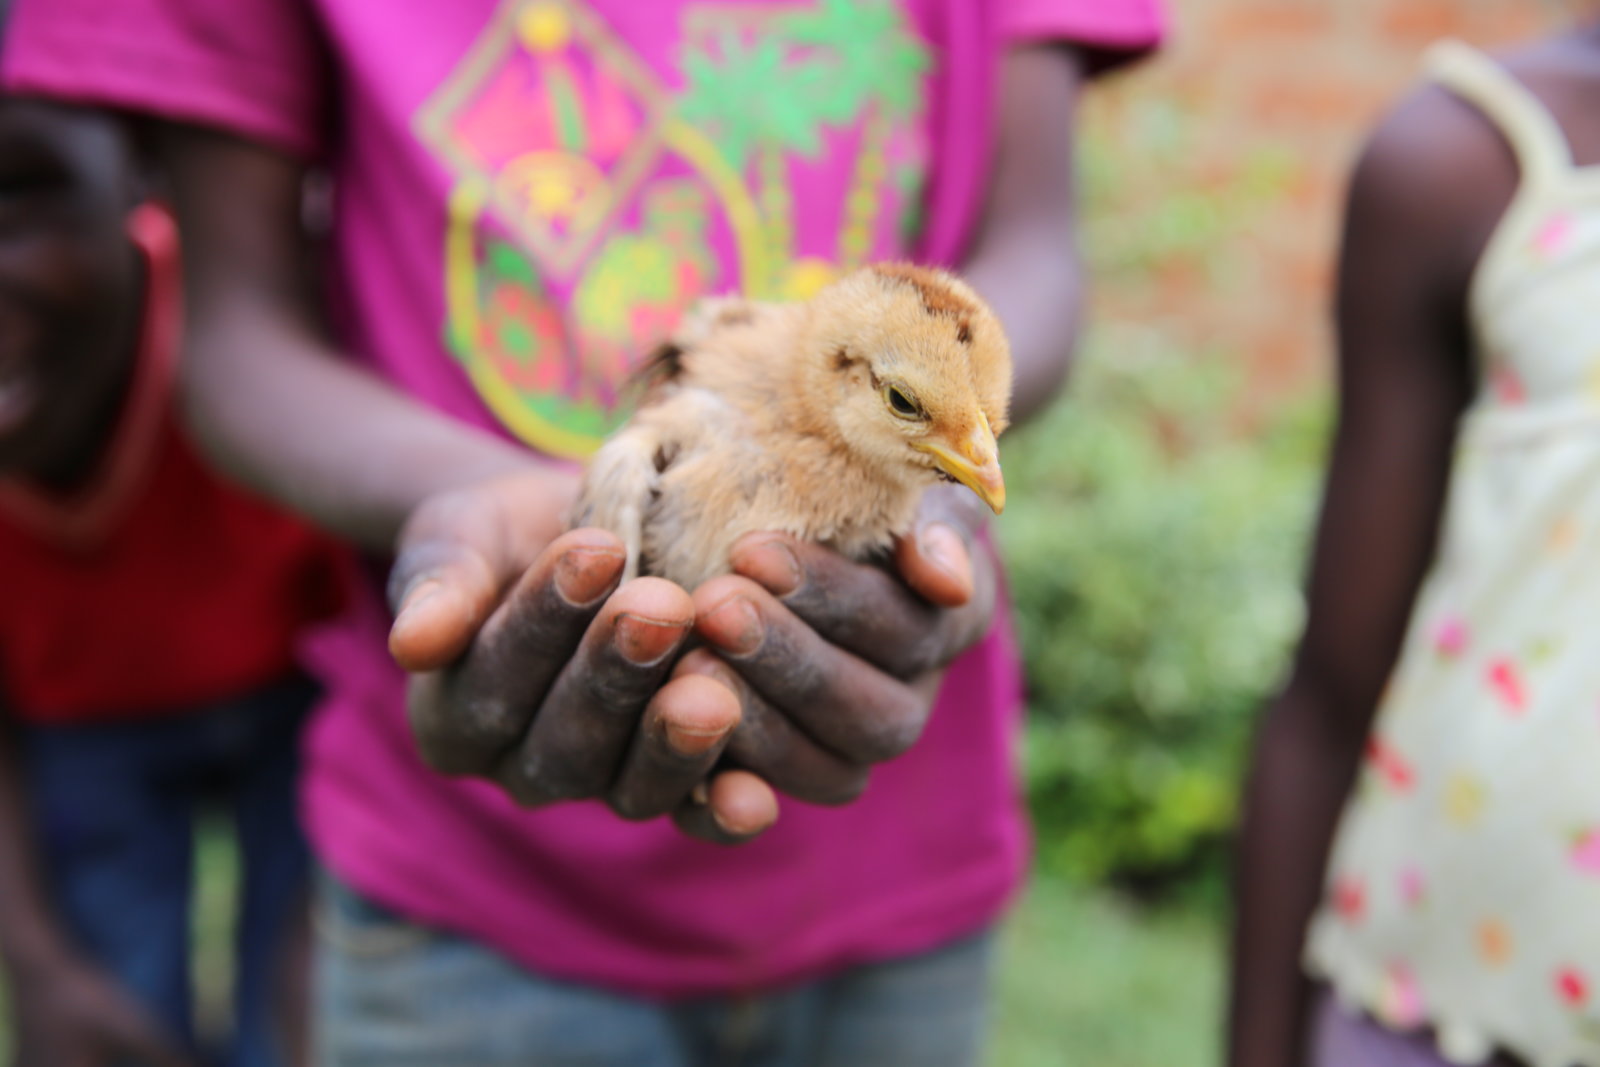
column 876, row 64
column 752, row 101
column 777, row 92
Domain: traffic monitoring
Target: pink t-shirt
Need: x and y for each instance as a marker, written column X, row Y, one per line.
column 528, row 193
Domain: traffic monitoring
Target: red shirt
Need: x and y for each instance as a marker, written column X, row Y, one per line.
column 160, row 587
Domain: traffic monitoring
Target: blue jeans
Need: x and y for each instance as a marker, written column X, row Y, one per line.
column 114, row 811
column 394, row 994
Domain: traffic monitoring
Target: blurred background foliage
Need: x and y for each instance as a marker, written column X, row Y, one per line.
column 1154, row 554
column 1155, row 541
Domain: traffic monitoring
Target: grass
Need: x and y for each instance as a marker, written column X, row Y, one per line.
column 1086, row 978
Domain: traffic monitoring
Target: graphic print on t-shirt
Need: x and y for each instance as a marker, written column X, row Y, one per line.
column 595, row 197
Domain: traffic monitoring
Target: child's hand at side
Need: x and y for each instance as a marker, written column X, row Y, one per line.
column 72, row 1015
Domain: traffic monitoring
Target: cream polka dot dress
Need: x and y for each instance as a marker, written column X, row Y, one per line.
column 1464, row 884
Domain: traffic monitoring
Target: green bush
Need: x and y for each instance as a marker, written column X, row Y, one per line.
column 1154, row 548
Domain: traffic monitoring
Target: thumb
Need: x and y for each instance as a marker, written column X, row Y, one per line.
column 442, row 591
column 459, row 552
column 935, row 559
column 936, row 562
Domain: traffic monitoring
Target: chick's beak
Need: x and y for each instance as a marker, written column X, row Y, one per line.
column 974, row 462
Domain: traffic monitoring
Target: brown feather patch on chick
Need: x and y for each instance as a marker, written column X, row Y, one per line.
column 826, row 420
column 938, row 297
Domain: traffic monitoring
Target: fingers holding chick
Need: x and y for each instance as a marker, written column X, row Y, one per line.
column 466, row 714
column 737, row 807
column 774, row 746
column 587, row 718
column 847, row 705
column 936, row 603
column 685, row 729
column 459, row 553
column 941, row 558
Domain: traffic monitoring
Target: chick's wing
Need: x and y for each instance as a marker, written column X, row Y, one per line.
column 692, row 435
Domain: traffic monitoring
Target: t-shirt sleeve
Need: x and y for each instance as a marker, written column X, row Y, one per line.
column 1113, row 31
column 255, row 68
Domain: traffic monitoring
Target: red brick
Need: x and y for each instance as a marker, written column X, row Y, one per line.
column 1243, row 25
column 1332, row 102
column 1512, row 23
column 1304, row 77
column 1415, row 22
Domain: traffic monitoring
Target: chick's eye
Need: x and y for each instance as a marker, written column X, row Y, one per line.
column 901, row 403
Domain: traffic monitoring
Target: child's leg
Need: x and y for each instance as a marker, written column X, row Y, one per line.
column 114, row 825
column 391, row 993
column 270, row 986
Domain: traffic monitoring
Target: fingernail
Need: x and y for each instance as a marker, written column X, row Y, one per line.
column 729, row 829
column 734, row 625
column 773, row 565
column 700, row 794
column 944, row 548
column 584, row 575
column 646, row 642
column 421, row 592
column 690, row 742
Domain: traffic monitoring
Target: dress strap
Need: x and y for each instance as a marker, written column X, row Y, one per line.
column 1541, row 148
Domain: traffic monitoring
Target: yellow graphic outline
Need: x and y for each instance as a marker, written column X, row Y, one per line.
column 504, row 34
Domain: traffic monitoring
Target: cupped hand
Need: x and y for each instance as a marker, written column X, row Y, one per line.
column 836, row 664
column 73, row 1015
column 532, row 667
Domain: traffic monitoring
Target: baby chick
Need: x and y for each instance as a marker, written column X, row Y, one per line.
column 825, row 419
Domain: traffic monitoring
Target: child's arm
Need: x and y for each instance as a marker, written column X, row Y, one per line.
column 1025, row 258
column 1423, row 203
column 64, row 1010
column 268, row 393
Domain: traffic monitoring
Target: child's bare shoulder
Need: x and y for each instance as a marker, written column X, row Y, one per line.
column 1432, row 146
column 1433, row 181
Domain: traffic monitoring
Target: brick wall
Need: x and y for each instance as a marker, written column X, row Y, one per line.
column 1214, row 173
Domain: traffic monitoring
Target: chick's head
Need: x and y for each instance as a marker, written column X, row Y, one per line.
column 918, row 374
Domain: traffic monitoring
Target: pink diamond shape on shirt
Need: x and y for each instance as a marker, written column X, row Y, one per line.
column 554, row 118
